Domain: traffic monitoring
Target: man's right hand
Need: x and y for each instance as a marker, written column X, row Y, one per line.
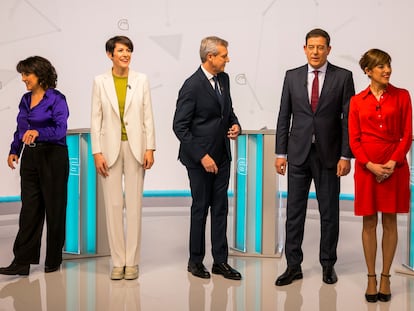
column 280, row 165
column 209, row 164
column 100, row 164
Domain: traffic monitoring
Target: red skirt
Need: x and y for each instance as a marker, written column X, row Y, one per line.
column 391, row 195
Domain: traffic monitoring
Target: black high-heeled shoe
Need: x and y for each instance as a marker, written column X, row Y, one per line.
column 372, row 297
column 381, row 296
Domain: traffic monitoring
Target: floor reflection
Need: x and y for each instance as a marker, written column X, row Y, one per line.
column 197, row 293
column 24, row 292
column 215, row 294
column 223, row 293
column 55, row 290
column 293, row 296
column 327, row 298
column 125, row 295
column 165, row 284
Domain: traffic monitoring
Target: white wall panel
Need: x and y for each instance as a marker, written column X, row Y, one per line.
column 266, row 38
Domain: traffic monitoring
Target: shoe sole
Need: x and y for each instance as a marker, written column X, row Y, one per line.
column 18, row 273
column 131, row 276
column 117, row 278
column 226, row 277
column 372, row 298
column 384, row 297
column 49, row 270
column 198, row 276
column 24, row 273
column 297, row 277
column 329, row 282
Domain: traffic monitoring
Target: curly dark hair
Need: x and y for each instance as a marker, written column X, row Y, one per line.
column 41, row 68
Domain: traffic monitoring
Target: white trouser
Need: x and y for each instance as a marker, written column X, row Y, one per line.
column 125, row 180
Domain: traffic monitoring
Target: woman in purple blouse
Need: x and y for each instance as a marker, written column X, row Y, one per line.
column 40, row 140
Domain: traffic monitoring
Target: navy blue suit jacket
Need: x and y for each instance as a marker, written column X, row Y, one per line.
column 201, row 122
column 297, row 123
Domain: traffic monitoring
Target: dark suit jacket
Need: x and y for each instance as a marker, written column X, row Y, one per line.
column 297, row 123
column 201, row 122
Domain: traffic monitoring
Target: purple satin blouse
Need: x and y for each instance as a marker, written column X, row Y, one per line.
column 49, row 118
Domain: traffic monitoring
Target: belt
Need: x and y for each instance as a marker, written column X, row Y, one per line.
column 39, row 144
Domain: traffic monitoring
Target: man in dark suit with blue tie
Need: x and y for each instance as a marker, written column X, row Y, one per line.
column 312, row 136
column 204, row 122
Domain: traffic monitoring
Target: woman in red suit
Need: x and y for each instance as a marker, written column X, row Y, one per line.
column 380, row 134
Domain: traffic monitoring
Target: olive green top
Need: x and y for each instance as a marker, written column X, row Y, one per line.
column 121, row 84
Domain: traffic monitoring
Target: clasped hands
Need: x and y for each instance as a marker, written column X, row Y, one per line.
column 381, row 171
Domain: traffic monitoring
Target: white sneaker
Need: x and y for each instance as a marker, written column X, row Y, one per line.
column 117, row 273
column 131, row 273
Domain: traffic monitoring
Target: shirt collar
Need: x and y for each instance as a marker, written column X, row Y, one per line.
column 367, row 91
column 47, row 92
column 208, row 75
column 321, row 69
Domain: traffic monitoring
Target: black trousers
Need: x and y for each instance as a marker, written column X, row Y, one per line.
column 44, row 174
column 209, row 191
column 327, row 186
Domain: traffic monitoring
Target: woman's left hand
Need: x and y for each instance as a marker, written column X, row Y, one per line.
column 390, row 166
column 148, row 159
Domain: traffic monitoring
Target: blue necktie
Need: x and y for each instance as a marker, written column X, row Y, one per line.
column 218, row 93
column 216, row 86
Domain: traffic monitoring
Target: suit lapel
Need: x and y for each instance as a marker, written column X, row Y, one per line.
column 303, row 86
column 132, row 87
column 327, row 83
column 208, row 87
column 222, row 90
column 109, row 87
column 205, row 82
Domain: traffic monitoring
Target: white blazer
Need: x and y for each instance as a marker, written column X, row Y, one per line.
column 106, row 121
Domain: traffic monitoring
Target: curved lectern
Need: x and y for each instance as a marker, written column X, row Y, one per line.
column 85, row 217
column 258, row 221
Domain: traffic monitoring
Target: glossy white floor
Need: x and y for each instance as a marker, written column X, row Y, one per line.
column 164, row 283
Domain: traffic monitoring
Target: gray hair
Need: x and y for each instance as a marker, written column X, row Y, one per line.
column 209, row 45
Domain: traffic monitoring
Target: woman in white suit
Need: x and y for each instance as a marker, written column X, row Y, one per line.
column 123, row 142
